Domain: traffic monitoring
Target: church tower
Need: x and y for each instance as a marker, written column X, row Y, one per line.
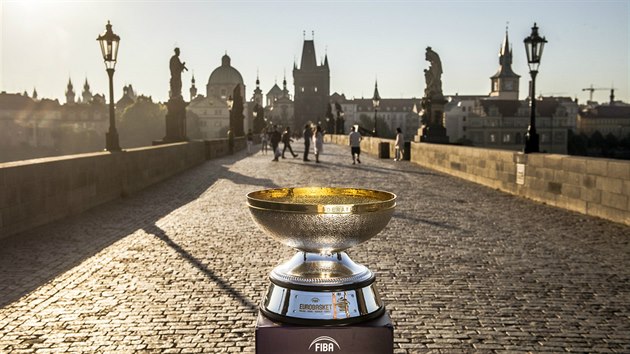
column 285, row 91
column 257, row 97
column 86, row 94
column 312, row 87
column 193, row 89
column 504, row 84
column 70, row 93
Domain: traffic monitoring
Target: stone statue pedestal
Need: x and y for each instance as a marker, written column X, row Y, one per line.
column 433, row 131
column 175, row 121
column 435, row 134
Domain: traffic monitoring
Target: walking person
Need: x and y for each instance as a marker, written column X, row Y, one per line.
column 318, row 142
column 286, row 140
column 264, row 139
column 250, row 140
column 274, row 139
column 399, row 145
column 308, row 135
column 355, row 144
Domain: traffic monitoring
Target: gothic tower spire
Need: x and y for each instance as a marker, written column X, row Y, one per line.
column 504, row 83
column 193, row 89
column 312, row 87
column 70, row 92
column 86, row 95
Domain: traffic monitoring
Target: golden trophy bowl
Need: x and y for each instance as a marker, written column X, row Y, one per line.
column 321, row 284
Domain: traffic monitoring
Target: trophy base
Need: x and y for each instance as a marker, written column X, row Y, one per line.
column 375, row 336
column 324, row 290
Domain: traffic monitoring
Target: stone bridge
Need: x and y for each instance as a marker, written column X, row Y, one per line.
column 179, row 267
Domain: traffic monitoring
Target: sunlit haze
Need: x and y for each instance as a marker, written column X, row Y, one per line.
column 44, row 43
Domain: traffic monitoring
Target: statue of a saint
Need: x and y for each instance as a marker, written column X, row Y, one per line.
column 176, row 67
column 433, row 75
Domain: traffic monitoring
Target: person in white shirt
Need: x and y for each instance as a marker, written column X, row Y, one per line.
column 399, row 146
column 355, row 145
column 318, row 142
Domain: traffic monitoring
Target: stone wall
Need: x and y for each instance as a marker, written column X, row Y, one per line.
column 593, row 186
column 35, row 192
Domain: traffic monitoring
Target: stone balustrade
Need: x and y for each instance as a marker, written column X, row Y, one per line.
column 35, row 192
column 592, row 186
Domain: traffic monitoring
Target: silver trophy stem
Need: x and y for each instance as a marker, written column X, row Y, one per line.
column 314, row 288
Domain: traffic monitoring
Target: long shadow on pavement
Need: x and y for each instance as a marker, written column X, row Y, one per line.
column 35, row 257
column 222, row 283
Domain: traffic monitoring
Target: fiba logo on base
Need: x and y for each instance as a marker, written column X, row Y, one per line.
column 324, row 344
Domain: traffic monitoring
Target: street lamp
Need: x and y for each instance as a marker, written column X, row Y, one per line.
column 534, row 45
column 109, row 47
column 230, row 133
column 230, row 102
column 342, row 123
column 376, row 101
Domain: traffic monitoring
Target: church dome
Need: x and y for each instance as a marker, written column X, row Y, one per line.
column 225, row 74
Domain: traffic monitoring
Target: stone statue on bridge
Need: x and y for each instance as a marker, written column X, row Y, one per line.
column 432, row 117
column 176, row 107
column 176, row 67
column 433, row 75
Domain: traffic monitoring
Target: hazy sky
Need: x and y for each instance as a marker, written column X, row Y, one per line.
column 43, row 43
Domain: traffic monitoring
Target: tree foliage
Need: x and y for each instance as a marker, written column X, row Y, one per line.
column 366, row 122
column 141, row 123
column 598, row 145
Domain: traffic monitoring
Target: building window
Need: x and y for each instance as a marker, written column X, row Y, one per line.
column 302, row 89
column 493, row 138
column 315, row 89
column 506, row 138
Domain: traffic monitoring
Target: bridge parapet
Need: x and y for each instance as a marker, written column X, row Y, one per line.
column 35, row 192
column 592, row 186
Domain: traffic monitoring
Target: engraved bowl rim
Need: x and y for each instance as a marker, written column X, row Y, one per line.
column 268, row 199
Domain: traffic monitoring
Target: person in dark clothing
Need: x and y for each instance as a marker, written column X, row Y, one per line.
column 274, row 139
column 286, row 140
column 308, row 135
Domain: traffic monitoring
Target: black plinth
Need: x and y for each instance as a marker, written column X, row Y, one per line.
column 433, row 134
column 372, row 337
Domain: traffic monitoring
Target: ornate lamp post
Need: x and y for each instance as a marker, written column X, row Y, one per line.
column 109, row 47
column 259, row 118
column 376, row 101
column 342, row 123
column 534, row 48
column 230, row 104
column 255, row 115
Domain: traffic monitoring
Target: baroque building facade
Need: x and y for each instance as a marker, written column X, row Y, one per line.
column 211, row 112
column 280, row 108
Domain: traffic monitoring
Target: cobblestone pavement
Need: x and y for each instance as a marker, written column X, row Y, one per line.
column 180, row 267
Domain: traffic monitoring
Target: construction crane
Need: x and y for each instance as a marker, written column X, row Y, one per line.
column 593, row 89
